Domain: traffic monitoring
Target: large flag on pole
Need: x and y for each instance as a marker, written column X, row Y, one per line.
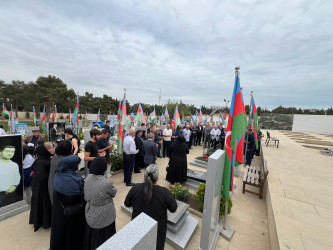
column 192, row 117
column 5, row 111
column 254, row 116
column 235, row 131
column 86, row 119
column 123, row 115
column 76, row 112
column 153, row 115
column 98, row 116
column 166, row 114
column 113, row 121
column 200, row 115
column 140, row 115
column 44, row 121
column 132, row 117
column 240, row 143
column 12, row 120
column 34, row 113
column 176, row 118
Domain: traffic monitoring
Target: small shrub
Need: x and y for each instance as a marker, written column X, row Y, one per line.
column 179, row 192
column 27, row 114
column 201, row 199
column 81, row 136
column 117, row 162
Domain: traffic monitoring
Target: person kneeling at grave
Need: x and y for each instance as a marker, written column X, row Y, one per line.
column 153, row 200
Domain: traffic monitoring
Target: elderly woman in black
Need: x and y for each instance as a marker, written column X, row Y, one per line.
column 41, row 208
column 100, row 211
column 153, row 200
column 68, row 220
column 177, row 170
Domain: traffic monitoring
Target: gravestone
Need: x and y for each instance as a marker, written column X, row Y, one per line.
column 199, row 163
column 196, row 175
column 210, row 216
column 180, row 225
column 140, row 233
column 28, row 130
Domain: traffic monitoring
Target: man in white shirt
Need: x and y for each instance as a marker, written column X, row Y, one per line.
column 130, row 150
column 9, row 172
column 167, row 133
column 187, row 134
column 2, row 131
column 215, row 135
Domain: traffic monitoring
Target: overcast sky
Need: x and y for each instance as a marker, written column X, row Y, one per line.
column 188, row 48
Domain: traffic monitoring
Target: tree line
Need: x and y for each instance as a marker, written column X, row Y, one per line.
column 51, row 90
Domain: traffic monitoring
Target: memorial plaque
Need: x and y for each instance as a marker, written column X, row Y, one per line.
column 20, row 128
column 210, row 215
column 56, row 131
column 11, row 174
column 97, row 124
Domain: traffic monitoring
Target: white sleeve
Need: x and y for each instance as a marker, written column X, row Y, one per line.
column 132, row 148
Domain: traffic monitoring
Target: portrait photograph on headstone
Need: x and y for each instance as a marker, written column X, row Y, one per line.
column 11, row 181
column 97, row 124
column 56, row 131
column 20, row 128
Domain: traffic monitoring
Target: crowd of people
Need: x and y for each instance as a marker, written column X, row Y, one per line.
column 81, row 211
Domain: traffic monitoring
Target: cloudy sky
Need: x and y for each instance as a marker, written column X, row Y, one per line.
column 189, row 49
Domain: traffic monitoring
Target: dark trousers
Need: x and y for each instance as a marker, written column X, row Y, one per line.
column 187, row 143
column 257, row 151
column 166, row 145
column 249, row 155
column 159, row 150
column 138, row 163
column 128, row 167
column 192, row 140
column 214, row 143
column 207, row 141
column 198, row 139
column 222, row 143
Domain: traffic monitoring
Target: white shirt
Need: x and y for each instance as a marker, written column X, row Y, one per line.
column 9, row 176
column 215, row 134
column 129, row 145
column 28, row 160
column 186, row 134
column 167, row 132
column 2, row 132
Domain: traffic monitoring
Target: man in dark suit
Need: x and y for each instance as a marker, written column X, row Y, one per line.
column 222, row 138
column 107, row 127
column 150, row 148
column 199, row 133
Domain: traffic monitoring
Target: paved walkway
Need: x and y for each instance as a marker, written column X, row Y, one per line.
column 300, row 188
column 248, row 217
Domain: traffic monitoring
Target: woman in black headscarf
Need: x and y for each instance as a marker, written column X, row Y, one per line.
column 63, row 149
column 41, row 208
column 100, row 211
column 177, row 170
column 68, row 220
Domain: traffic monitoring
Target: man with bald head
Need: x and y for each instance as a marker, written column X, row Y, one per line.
column 130, row 150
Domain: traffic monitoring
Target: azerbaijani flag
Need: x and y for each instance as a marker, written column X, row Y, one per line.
column 140, row 115
column 34, row 112
column 44, row 121
column 70, row 117
column 192, row 118
column 76, row 111
column 176, row 118
column 12, row 121
column 119, row 113
column 200, row 115
column 98, row 116
column 166, row 114
column 162, row 118
column 113, row 121
column 132, row 117
column 123, row 114
column 235, row 131
column 5, row 111
column 86, row 119
column 254, row 117
column 153, row 115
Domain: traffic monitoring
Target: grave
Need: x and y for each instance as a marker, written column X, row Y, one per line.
column 140, row 233
column 180, row 226
column 196, row 175
column 199, row 163
column 210, row 217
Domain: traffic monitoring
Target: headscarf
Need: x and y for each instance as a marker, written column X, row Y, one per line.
column 98, row 166
column 66, row 179
column 42, row 152
column 64, row 148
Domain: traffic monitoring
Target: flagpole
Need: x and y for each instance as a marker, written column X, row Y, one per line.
column 247, row 134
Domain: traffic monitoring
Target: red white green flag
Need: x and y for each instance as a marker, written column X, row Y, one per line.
column 35, row 119
column 4, row 110
column 254, row 117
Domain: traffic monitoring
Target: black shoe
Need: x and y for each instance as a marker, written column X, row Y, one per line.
column 130, row 184
column 163, row 156
column 159, row 156
column 137, row 172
